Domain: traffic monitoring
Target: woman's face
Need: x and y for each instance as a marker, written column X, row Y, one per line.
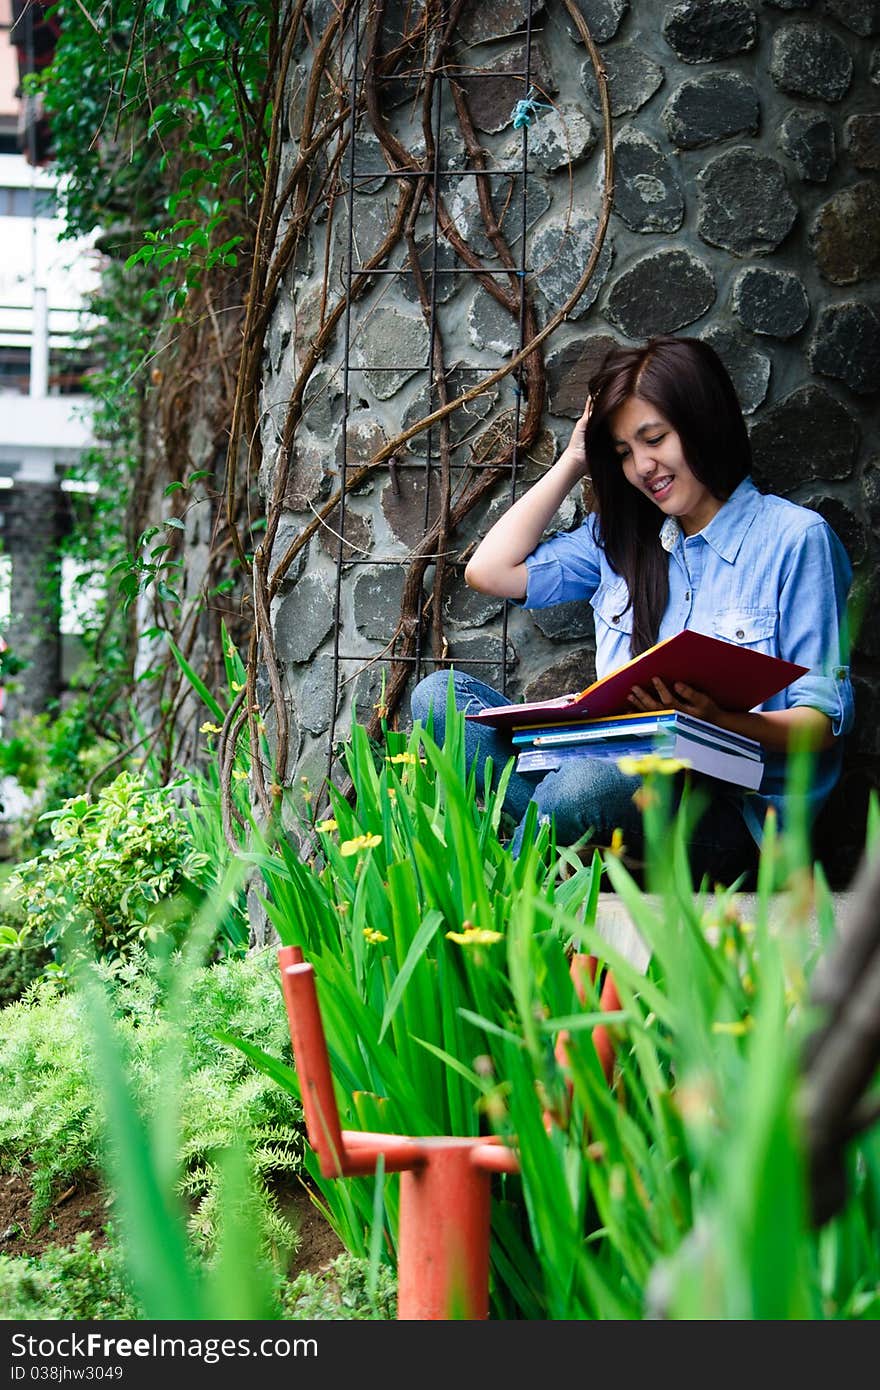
column 653, row 461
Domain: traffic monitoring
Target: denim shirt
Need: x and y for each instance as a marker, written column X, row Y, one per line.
column 764, row 573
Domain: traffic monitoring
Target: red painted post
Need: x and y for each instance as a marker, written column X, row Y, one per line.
column 313, row 1067
column 609, row 1002
column 445, row 1198
column 443, row 1241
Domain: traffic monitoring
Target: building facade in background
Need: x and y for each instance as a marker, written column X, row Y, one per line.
column 45, row 281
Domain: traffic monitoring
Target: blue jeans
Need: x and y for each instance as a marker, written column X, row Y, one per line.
column 586, row 794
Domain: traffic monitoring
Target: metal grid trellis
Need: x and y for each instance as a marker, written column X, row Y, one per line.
column 436, row 467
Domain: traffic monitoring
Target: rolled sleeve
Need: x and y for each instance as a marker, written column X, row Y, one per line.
column 813, row 626
column 565, row 567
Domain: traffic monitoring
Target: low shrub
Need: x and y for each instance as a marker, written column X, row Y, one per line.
column 119, row 872
column 51, row 1118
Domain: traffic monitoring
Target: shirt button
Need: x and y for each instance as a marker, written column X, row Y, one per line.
column 688, row 596
column 740, row 634
column 616, row 618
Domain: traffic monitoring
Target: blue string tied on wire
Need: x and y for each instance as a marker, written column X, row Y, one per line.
column 526, row 110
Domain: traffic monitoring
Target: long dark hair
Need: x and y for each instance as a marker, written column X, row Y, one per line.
column 686, row 380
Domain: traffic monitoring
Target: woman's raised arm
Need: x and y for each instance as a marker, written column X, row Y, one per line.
column 497, row 566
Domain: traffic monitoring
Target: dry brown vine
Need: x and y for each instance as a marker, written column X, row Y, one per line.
column 284, row 216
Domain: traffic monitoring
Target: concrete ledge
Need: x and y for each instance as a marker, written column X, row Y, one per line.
column 615, row 925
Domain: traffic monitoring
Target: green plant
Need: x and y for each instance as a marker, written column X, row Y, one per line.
column 52, row 756
column 342, row 1292
column 119, row 871
column 51, row 1112
column 73, row 1284
column 402, row 914
column 443, row 968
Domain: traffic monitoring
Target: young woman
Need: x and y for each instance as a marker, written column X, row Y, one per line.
column 680, row 538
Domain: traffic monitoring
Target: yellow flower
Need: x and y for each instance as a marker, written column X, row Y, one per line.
column 349, row 847
column 402, row 758
column 207, row 728
column 617, row 846
column 474, row 936
column 735, row 1029
column 373, row 936
column 391, row 793
column 239, row 775
column 327, row 826
column 236, row 686
column 649, row 763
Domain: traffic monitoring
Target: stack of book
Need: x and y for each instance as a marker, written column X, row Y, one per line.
column 599, row 722
column 667, row 733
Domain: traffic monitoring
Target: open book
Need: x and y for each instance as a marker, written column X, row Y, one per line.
column 736, row 678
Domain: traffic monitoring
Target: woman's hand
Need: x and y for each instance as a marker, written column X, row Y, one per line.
column 498, row 566
column 576, row 449
column 679, row 696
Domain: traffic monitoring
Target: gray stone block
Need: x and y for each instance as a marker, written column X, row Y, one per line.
column 646, row 192
column 505, row 191
column 411, row 503
column 492, row 99
column 632, row 79
column 559, row 138
column 846, row 345
column 482, row 23
column 748, row 368
column 573, row 671
column 447, row 263
column 390, row 348
column 702, row 31
column 483, row 658
column 843, row 522
column 745, row 205
column 845, row 235
column 807, row 137
column 659, row 293
column 807, row 435
column 560, row 252
column 710, row 108
column 303, row 619
column 569, row 370
column 565, row 622
column 861, row 16
column 346, row 537
column 602, row 18
column 491, row 328
column 462, row 422
column 377, row 597
column 810, row 60
column 862, row 140
column 772, row 302
column 465, row 607
column 315, row 694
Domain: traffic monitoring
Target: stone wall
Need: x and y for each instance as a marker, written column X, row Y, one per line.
column 35, row 516
column 746, row 211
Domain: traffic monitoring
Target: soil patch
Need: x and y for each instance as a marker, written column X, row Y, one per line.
column 83, row 1207
column 318, row 1244
column 80, row 1208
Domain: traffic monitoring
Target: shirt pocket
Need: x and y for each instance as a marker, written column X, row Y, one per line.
column 612, row 607
column 748, row 627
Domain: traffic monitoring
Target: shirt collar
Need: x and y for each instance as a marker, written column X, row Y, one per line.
column 727, row 529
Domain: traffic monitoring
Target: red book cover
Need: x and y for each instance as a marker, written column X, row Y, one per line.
column 736, row 678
